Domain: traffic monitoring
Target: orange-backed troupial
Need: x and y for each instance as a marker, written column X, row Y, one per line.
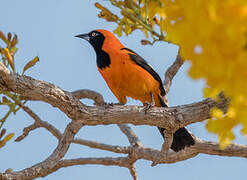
column 128, row 75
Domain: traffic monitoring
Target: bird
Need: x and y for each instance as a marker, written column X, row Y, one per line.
column 127, row 74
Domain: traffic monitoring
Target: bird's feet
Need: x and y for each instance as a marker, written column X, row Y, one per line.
column 148, row 106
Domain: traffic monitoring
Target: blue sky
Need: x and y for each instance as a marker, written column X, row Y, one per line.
column 46, row 28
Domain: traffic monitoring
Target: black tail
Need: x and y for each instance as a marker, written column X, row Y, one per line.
column 181, row 138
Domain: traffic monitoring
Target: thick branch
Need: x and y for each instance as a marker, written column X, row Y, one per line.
column 40, row 90
column 171, row 118
column 212, row 148
column 203, row 147
column 153, row 155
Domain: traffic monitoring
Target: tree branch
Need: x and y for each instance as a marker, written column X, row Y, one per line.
column 172, row 71
column 156, row 156
column 212, row 148
column 168, row 141
column 171, row 118
column 43, row 168
column 85, row 93
column 37, row 124
column 133, row 139
column 133, row 171
column 107, row 161
column 102, row 146
column 134, row 142
column 42, row 91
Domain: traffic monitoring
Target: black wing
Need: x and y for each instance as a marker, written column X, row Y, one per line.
column 142, row 63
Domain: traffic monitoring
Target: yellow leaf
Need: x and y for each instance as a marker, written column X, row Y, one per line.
column 9, row 37
column 105, row 13
column 210, row 92
column 99, row 6
column 145, row 42
column 156, row 21
column 2, row 133
column 8, row 137
column 217, row 113
column 225, row 139
column 162, row 25
column 231, row 113
column 3, row 37
column 213, row 126
column 14, row 41
column 118, row 30
column 2, row 143
column 127, row 16
column 127, row 30
column 8, row 171
column 30, row 64
column 244, row 131
column 145, row 33
column 9, row 58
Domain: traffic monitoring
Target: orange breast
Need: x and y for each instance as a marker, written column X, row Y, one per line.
column 125, row 78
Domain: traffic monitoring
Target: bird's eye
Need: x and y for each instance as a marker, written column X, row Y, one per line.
column 93, row 34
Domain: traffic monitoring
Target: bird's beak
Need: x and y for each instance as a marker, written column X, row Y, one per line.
column 83, row 36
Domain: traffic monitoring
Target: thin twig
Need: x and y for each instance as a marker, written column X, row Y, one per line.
column 134, row 142
column 37, row 124
column 133, row 139
column 133, row 171
column 171, row 72
column 102, row 146
column 107, row 161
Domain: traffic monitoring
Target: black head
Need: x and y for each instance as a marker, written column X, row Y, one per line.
column 95, row 38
